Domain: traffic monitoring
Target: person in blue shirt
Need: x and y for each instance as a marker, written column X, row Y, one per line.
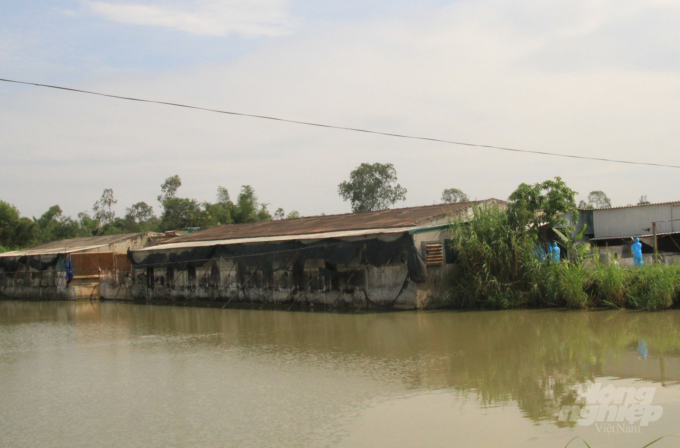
column 637, row 253
column 555, row 253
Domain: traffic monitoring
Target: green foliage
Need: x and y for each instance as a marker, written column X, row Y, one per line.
column 88, row 225
column 571, row 280
column 15, row 231
column 596, row 199
column 53, row 225
column 541, row 204
column 452, row 195
column 248, row 209
column 139, row 212
column 102, row 209
column 281, row 214
column 495, row 267
column 611, row 284
column 372, row 187
column 499, row 265
column 654, row 287
column 169, row 188
column 179, row 213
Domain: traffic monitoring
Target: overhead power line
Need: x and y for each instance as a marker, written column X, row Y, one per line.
column 367, row 131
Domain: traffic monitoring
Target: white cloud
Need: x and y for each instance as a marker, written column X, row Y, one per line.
column 203, row 17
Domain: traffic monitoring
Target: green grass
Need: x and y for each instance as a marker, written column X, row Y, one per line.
column 653, row 287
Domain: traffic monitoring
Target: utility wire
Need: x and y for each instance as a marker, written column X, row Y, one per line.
column 367, row 131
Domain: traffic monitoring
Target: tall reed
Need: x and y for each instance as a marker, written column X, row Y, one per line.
column 654, row 287
column 498, row 267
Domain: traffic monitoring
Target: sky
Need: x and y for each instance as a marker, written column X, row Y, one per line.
column 597, row 78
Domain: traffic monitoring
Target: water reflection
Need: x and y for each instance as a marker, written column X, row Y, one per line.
column 293, row 378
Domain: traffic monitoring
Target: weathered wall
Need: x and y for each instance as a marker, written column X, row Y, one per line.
column 432, row 293
column 354, row 285
column 28, row 283
column 40, row 285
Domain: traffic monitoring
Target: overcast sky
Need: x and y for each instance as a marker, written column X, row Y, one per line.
column 596, row 78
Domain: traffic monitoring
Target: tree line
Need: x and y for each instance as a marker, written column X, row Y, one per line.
column 370, row 187
column 18, row 231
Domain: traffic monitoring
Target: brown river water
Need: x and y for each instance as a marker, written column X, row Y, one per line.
column 82, row 374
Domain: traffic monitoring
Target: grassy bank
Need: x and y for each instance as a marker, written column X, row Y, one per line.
column 498, row 267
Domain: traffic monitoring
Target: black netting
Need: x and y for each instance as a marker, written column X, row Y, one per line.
column 40, row 264
column 295, row 254
column 12, row 264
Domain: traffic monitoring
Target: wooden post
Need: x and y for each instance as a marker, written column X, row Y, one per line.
column 656, row 247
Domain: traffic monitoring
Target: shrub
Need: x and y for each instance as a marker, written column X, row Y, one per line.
column 653, row 287
column 610, row 284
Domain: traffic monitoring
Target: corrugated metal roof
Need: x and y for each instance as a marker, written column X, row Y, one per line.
column 383, row 219
column 72, row 245
column 633, row 206
column 266, row 239
column 649, row 235
column 636, row 221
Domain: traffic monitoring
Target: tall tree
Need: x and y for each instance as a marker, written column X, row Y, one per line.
column 248, row 208
column 139, row 213
column 541, row 204
column 451, row 195
column 643, row 200
column 599, row 199
column 15, row 231
column 103, row 212
column 53, row 226
column 372, row 187
column 179, row 213
column 169, row 188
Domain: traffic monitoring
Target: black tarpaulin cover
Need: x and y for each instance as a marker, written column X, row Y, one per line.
column 334, row 251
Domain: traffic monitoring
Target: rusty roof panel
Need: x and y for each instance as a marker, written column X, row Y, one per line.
column 401, row 217
column 72, row 245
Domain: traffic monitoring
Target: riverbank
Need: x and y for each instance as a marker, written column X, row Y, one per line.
column 577, row 286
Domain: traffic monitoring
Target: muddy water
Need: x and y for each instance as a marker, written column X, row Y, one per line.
column 107, row 374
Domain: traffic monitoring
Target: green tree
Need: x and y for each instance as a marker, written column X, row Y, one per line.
column 169, row 188
column 223, row 196
column 15, row 231
column 452, row 195
column 221, row 211
column 279, row 214
column 139, row 213
column 372, row 187
column 294, row 214
column 598, row 199
column 88, row 226
column 103, row 212
column 54, row 226
column 248, row 208
column 181, row 212
column 542, row 205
